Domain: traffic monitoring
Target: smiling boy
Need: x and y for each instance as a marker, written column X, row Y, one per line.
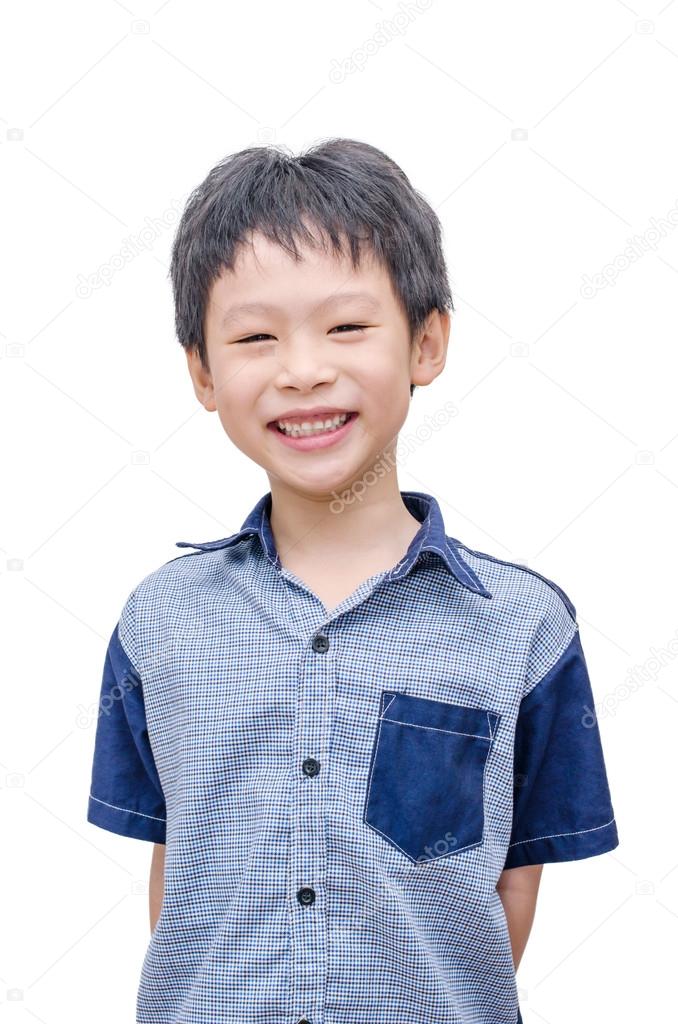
column 353, row 740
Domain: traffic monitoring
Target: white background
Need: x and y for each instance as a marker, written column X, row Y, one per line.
column 544, row 137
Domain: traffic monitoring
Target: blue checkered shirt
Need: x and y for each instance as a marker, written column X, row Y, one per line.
column 339, row 793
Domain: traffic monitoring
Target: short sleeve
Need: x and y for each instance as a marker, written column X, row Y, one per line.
column 562, row 807
column 125, row 794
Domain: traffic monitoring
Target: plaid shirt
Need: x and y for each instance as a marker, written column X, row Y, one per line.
column 339, row 793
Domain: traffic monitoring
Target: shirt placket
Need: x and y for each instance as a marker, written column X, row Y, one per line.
column 309, row 850
column 307, row 877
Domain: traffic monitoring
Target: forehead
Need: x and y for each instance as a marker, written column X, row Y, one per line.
column 257, row 253
column 266, row 277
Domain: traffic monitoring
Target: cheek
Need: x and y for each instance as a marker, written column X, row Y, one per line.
column 383, row 360
column 236, row 386
column 234, row 405
column 381, row 376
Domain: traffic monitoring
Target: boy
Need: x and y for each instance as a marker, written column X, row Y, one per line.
column 352, row 740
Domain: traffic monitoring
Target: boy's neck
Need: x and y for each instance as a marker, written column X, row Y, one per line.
column 372, row 527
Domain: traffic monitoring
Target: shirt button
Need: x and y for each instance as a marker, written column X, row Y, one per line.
column 320, row 643
column 306, row 896
column 310, row 766
column 303, row 1020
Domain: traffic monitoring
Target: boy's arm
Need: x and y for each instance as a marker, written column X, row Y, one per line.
column 562, row 809
column 518, row 888
column 157, row 881
column 126, row 794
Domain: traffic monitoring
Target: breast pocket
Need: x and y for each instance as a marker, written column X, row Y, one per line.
column 425, row 785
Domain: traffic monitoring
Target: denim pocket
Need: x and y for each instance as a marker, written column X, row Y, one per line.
column 425, row 785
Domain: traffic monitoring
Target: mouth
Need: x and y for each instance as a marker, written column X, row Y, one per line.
column 303, row 437
column 311, row 426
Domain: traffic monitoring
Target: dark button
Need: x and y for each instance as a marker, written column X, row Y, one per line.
column 306, row 896
column 303, row 1021
column 320, row 643
column 310, row 766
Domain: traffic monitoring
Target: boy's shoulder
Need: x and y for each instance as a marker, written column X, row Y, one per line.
column 515, row 582
column 528, row 610
column 196, row 568
column 174, row 584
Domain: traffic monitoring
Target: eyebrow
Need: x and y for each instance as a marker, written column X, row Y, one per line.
column 364, row 298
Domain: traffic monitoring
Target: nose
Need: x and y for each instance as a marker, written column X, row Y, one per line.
column 304, row 362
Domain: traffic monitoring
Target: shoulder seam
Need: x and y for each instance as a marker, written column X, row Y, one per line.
column 516, row 565
column 536, row 690
column 186, row 554
column 132, row 599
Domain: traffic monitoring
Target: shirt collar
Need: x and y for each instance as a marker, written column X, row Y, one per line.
column 430, row 537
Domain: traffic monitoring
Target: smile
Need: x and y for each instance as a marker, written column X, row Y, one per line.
column 314, row 434
column 309, row 427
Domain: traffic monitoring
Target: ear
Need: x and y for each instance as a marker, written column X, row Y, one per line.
column 429, row 352
column 202, row 379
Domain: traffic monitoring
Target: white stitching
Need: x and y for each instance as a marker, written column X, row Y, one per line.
column 422, row 506
column 432, row 728
column 125, row 809
column 557, row 835
column 389, row 704
column 451, row 732
column 464, row 568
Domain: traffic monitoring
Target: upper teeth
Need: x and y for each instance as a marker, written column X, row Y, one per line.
column 316, row 426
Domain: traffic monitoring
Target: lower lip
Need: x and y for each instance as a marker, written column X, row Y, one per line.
column 314, row 441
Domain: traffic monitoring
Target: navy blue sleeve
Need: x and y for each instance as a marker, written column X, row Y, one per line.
column 562, row 808
column 125, row 795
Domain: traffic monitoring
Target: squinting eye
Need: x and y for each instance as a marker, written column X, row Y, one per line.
column 349, row 327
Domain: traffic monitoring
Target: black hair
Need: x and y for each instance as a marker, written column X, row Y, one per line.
column 348, row 189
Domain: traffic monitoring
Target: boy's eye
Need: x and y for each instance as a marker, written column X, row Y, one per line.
column 342, row 327
column 349, row 327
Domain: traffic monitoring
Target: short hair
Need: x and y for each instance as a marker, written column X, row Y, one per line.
column 348, row 190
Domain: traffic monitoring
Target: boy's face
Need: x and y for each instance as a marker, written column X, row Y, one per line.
column 305, row 355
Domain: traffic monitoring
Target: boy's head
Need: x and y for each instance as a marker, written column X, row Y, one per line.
column 297, row 235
